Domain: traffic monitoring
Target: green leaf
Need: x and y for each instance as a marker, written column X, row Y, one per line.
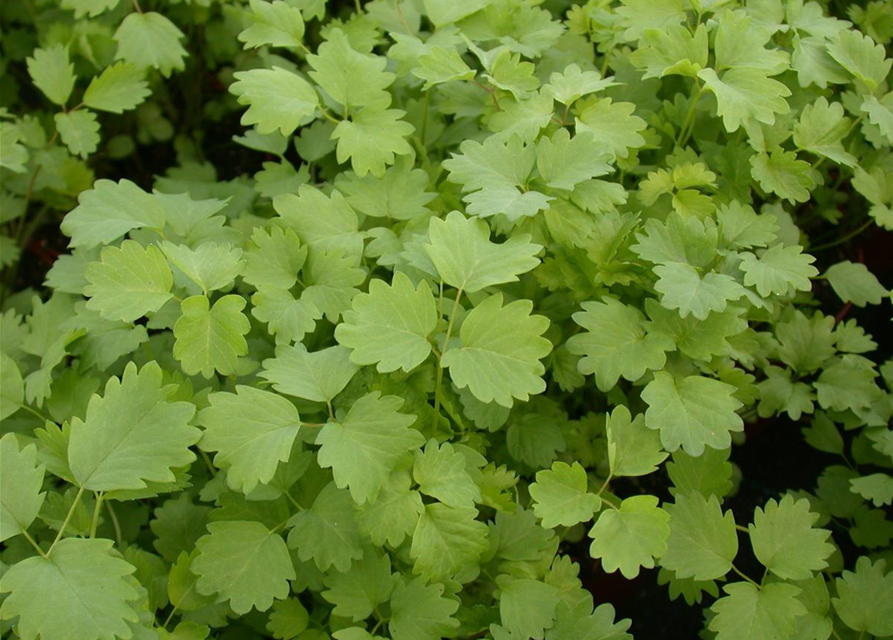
column 52, row 73
column 22, row 479
column 671, row 51
column 747, row 611
column 861, row 56
column 631, row 537
column 128, row 282
column 779, row 270
column 243, row 563
column 526, row 607
column 332, row 279
column 12, row 388
column 853, row 282
column 358, row 592
column 877, row 487
column 560, row 496
column 633, row 449
column 613, row 124
column 880, row 114
column 419, row 611
column 318, row 376
column 210, row 338
column 617, row 343
column 211, row 266
column 740, row 44
column 573, row 83
column 390, row 326
column 400, row 194
column 79, row 131
column 80, row 592
column 447, row 540
column 365, row 446
column 507, row 201
column 288, row 619
column 177, row 525
column 439, row 65
column 691, row 413
column 350, row 78
column 783, row 174
column 785, row 542
column 494, row 164
column 274, row 259
column 277, row 99
column 858, row 594
column 683, row 288
column 324, row 222
column 441, row 473
column 372, row 139
column 848, row 383
column 252, row 432
column 394, row 515
column 703, row 541
column 443, row 14
column 277, row 24
column 500, row 352
column 108, row 211
column 289, row 319
column 744, row 94
column 563, row 162
column 89, row 7
column 327, row 532
column 150, row 40
column 821, row 129
column 132, row 435
column 119, row 88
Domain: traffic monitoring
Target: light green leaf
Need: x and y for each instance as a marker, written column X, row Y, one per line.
column 277, row 24
column 22, row 479
column 327, row 532
column 318, row 376
column 683, row 288
column 560, row 496
column 439, row 65
column 274, row 258
column 848, row 383
column 394, row 515
column 821, row 129
column 372, row 139
column 739, row 43
column 324, row 222
column 613, row 124
column 119, row 88
column 332, row 279
column 446, row 540
column 526, row 606
column 744, row 93
column 365, row 446
column 783, row 174
column 289, row 319
column 632, row 537
column 81, row 592
column 79, row 131
column 633, row 449
column 108, row 211
column 671, row 51
column 277, row 99
column 853, row 282
column 861, row 56
column 877, row 487
column 491, row 165
column 859, row 593
column 351, row 78
column 880, row 114
column 563, row 162
column 52, row 73
column 703, row 541
column 419, row 611
column 785, row 542
column 91, row 8
column 358, row 592
column 128, row 282
column 508, row 201
column 617, row 343
column 748, row 612
column 150, row 40
column 500, row 352
column 573, row 83
column 243, row 563
column 131, row 435
column 210, row 338
column 252, row 431
column 780, row 270
column 288, row 619
column 211, row 266
column 441, row 473
column 12, row 387
column 400, row 194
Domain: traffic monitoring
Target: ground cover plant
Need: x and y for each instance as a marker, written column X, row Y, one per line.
column 415, row 319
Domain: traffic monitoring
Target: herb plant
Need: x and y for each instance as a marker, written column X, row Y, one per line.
column 503, row 280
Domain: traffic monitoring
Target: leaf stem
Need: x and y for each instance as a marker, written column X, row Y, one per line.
column 35, row 412
column 688, row 125
column 844, row 239
column 115, row 524
column 34, row 544
column 446, row 341
column 94, row 525
column 605, row 484
column 208, row 462
column 74, row 504
column 741, row 574
column 742, row 529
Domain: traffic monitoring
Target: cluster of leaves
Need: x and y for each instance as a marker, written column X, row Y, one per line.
column 499, row 256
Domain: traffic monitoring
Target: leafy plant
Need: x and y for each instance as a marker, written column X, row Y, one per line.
column 491, row 260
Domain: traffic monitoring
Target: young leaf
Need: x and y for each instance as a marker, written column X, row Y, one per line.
column 327, row 532
column 419, row 611
column 211, row 266
column 317, row 376
column 526, row 607
column 278, row 99
column 119, row 88
column 150, row 40
column 277, row 24
column 631, row 537
column 703, row 541
column 633, row 449
column 446, row 540
column 108, row 211
column 351, row 78
column 786, row 543
column 52, row 73
column 779, row 270
column 358, row 592
column 79, row 131
column 210, row 338
column 560, row 496
column 852, row 282
column 750, row 612
column 441, row 473
column 128, row 282
column 252, row 432
column 372, row 139
column 859, row 592
column 745, row 93
column 390, row 326
column 22, row 479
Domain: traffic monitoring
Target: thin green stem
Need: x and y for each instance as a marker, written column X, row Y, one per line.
column 94, row 524
column 846, row 238
column 689, row 122
column 742, row 575
column 34, row 544
column 208, row 463
column 74, row 504
column 35, row 412
column 742, row 529
column 294, row 502
column 330, row 410
column 605, row 483
column 167, row 620
column 115, row 524
column 446, row 341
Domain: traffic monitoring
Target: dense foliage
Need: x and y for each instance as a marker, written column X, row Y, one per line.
column 479, row 284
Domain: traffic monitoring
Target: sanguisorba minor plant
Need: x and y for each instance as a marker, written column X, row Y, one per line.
column 499, row 256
